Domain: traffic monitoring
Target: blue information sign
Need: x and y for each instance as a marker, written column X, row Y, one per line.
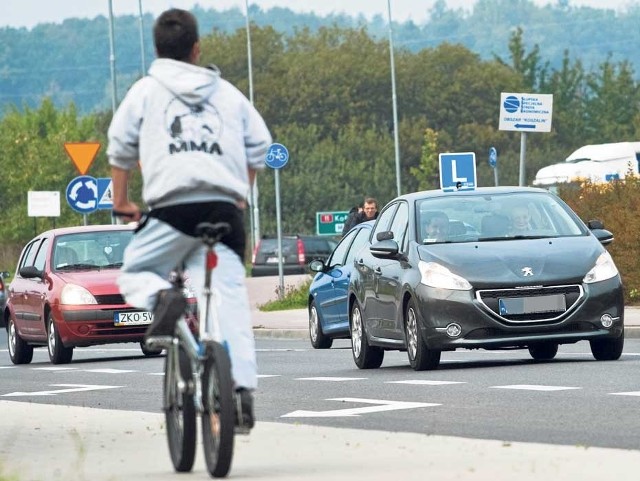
column 82, row 194
column 277, row 156
column 493, row 157
column 458, row 171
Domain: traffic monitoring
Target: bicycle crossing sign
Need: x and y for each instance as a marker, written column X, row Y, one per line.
column 277, row 156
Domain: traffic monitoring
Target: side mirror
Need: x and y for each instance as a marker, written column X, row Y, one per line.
column 604, row 236
column 316, row 265
column 595, row 224
column 386, row 249
column 31, row 272
column 385, row 235
column 5, row 274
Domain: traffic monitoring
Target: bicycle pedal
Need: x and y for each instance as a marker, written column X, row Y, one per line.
column 158, row 341
column 243, row 430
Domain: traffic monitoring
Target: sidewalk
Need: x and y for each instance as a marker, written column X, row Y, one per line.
column 294, row 324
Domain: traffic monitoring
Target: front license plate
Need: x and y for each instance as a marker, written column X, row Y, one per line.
column 532, row 305
column 132, row 318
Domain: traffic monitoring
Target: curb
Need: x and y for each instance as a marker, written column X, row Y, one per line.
column 265, row 333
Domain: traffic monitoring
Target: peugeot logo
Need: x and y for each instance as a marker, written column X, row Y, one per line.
column 527, row 271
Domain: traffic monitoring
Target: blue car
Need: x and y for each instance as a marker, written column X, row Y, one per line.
column 328, row 310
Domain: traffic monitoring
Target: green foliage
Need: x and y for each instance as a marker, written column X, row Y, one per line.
column 294, row 297
column 427, row 172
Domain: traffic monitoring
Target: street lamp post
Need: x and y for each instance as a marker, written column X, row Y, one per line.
column 255, row 211
column 394, row 100
column 142, row 60
column 112, row 60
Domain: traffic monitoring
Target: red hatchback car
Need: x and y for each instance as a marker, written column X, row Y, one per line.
column 64, row 295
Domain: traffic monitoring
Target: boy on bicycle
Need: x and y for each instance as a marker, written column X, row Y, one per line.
column 198, row 142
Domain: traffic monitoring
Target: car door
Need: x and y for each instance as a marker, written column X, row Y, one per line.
column 36, row 293
column 389, row 292
column 325, row 284
column 341, row 283
column 20, row 289
column 369, row 275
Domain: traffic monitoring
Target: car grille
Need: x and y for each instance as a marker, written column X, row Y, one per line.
column 491, row 300
column 110, row 300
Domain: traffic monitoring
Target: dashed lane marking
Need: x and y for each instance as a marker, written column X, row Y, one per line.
column 535, row 387
column 331, row 379
column 425, row 382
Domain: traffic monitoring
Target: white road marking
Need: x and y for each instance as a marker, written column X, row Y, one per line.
column 110, row 371
column 425, row 382
column 70, row 388
column 7, row 367
column 330, row 379
column 535, row 387
column 380, row 406
column 55, row 368
column 269, row 375
column 631, row 393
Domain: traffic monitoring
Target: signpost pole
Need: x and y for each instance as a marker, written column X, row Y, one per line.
column 523, row 153
column 276, row 158
column 279, row 228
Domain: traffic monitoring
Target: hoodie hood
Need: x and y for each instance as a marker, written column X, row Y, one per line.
column 190, row 83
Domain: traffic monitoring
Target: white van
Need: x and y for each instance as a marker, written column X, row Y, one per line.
column 598, row 163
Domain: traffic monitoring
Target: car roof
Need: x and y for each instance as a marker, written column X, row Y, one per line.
column 466, row 193
column 88, row 228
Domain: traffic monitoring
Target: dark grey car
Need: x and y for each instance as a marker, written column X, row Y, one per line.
column 297, row 252
column 529, row 275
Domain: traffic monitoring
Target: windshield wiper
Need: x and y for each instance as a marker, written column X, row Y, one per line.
column 77, row 267
column 115, row 265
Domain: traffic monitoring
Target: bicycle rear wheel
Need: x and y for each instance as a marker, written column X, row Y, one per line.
column 180, row 411
column 218, row 418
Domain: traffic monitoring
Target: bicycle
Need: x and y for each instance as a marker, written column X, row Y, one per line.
column 198, row 378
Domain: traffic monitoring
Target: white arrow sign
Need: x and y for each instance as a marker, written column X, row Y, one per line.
column 71, row 388
column 380, row 406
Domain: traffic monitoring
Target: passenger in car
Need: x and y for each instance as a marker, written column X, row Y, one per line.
column 435, row 227
column 520, row 220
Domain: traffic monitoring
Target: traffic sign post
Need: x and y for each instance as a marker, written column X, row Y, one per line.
column 330, row 223
column 276, row 158
column 524, row 113
column 458, row 171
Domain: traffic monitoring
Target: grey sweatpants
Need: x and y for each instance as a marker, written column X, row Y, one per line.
column 156, row 250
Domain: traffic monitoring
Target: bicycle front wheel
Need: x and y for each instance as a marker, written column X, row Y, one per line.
column 218, row 418
column 179, row 410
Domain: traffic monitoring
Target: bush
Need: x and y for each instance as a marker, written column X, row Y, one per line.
column 617, row 205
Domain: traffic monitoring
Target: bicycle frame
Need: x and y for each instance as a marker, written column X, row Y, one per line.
column 209, row 329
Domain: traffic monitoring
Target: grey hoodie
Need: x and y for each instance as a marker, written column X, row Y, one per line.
column 194, row 134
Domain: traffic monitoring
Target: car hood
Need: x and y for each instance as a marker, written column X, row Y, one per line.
column 550, row 261
column 95, row 281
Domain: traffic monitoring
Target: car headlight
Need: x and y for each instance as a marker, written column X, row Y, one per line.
column 436, row 275
column 604, row 269
column 76, row 295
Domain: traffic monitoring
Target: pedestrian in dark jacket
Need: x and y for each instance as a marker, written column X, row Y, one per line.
column 367, row 211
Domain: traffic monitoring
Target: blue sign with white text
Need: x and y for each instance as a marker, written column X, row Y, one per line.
column 458, row 171
column 277, row 156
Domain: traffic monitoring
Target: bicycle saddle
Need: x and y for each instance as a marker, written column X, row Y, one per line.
column 209, row 232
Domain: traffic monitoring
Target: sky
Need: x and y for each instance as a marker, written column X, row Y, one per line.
column 28, row 13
